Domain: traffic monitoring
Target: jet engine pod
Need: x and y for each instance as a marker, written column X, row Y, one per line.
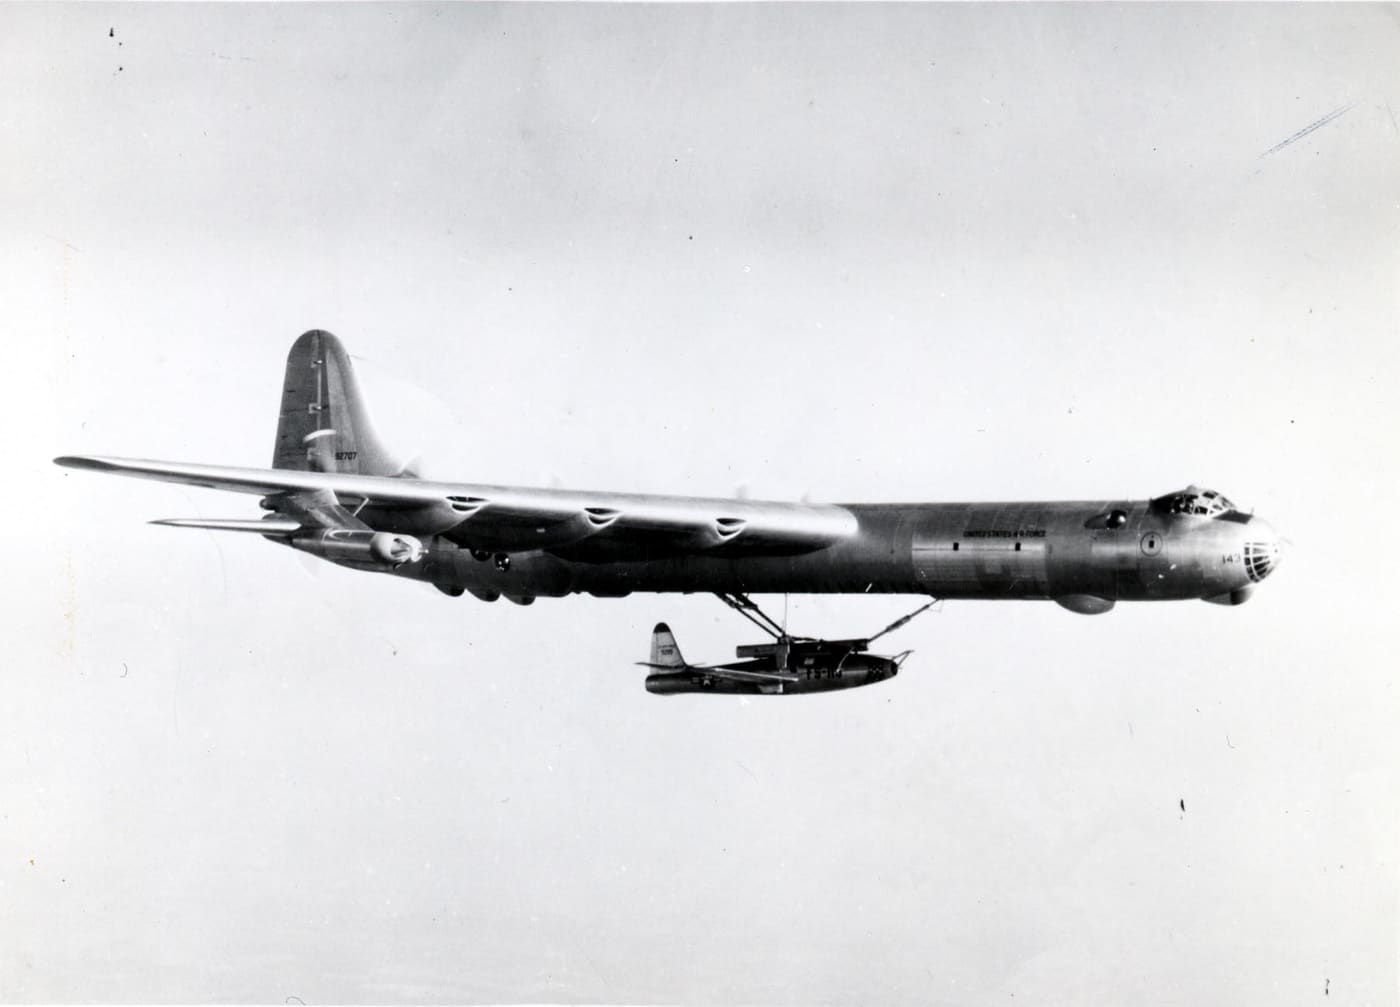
column 362, row 548
column 394, row 549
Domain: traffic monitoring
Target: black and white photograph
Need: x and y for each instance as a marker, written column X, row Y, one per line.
column 700, row 503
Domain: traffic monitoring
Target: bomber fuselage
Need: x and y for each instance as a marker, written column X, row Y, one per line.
column 1084, row 554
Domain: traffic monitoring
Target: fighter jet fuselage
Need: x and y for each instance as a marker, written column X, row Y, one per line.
column 808, row 671
column 787, row 666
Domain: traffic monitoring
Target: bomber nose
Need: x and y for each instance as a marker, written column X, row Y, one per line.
column 1263, row 552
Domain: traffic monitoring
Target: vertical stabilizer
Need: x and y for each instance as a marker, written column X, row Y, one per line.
column 665, row 652
column 323, row 426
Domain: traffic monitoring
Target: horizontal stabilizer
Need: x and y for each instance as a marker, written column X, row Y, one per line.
column 267, row 526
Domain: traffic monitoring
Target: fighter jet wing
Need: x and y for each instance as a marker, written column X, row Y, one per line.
column 758, row 677
column 579, row 524
column 734, row 674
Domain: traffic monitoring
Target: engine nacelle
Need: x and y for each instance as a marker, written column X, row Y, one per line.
column 362, row 548
column 395, row 549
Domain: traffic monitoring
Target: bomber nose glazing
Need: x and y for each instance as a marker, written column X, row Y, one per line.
column 1263, row 551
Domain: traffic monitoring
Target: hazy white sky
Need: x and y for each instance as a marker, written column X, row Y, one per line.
column 858, row 252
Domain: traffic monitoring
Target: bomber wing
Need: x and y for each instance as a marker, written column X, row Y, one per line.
column 579, row 524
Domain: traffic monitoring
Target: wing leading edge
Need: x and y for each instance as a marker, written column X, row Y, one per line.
column 726, row 671
column 614, row 525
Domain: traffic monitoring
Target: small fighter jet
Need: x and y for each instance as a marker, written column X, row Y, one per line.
column 788, row 665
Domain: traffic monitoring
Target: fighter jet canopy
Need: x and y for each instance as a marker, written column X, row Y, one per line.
column 1194, row 500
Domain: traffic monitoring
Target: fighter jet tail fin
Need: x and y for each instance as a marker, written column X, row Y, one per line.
column 323, row 425
column 665, row 652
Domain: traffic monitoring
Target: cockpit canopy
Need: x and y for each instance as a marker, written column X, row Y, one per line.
column 1194, row 500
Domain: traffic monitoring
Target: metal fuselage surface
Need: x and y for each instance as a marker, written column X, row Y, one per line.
column 1106, row 550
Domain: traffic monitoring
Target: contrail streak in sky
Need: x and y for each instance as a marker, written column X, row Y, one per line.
column 1335, row 113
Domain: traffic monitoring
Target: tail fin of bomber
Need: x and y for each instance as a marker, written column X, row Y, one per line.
column 665, row 652
column 323, row 426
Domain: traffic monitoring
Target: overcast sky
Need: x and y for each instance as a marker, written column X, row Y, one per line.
column 847, row 252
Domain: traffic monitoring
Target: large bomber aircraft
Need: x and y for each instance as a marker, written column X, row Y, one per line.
column 335, row 492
